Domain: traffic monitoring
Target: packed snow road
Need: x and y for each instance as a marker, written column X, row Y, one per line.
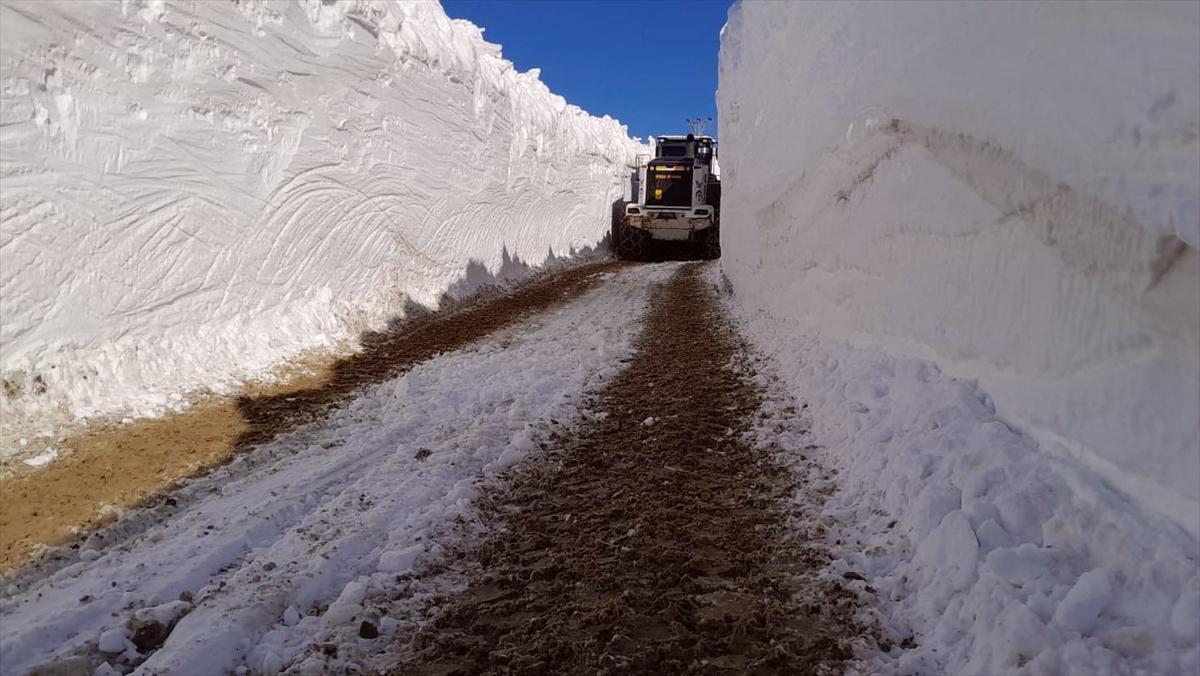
column 393, row 527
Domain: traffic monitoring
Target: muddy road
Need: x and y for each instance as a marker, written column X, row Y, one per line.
column 650, row 540
column 115, row 466
column 558, row 479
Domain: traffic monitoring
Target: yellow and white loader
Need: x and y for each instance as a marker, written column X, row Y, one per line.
column 678, row 199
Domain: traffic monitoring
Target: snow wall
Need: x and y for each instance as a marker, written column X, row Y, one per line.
column 1010, row 190
column 194, row 191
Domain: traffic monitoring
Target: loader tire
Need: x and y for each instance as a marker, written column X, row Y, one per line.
column 711, row 243
column 617, row 231
column 632, row 245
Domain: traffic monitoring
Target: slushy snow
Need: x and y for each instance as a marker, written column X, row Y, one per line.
column 195, row 191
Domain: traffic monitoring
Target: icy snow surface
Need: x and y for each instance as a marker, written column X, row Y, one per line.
column 1009, row 190
column 193, row 191
column 300, row 541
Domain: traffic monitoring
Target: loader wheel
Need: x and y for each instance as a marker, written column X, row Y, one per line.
column 711, row 243
column 616, row 233
column 632, row 244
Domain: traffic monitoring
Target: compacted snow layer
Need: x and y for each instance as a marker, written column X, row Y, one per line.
column 194, row 191
column 298, row 542
column 989, row 555
column 1009, row 190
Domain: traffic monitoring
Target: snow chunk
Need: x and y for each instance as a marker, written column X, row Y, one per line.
column 353, row 593
column 388, row 625
column 271, row 663
column 340, row 613
column 933, row 504
column 949, row 554
column 1185, row 616
column 522, row 441
column 42, row 459
column 115, row 640
column 1082, row 605
column 291, row 616
column 400, row 560
column 165, row 614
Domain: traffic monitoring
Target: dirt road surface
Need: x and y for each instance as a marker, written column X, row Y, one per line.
column 117, row 467
column 565, row 478
column 652, row 539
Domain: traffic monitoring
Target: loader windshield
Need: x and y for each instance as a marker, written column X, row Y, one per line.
column 673, row 150
column 669, row 185
column 698, row 148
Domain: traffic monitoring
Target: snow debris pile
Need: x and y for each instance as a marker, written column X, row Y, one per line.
column 196, row 191
column 993, row 556
column 968, row 236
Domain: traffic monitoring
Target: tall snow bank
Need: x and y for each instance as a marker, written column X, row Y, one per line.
column 193, row 191
column 1010, row 190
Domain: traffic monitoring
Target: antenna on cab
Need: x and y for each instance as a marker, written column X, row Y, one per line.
column 698, row 124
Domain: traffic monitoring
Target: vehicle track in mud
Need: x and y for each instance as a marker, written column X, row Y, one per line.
column 652, row 539
column 126, row 466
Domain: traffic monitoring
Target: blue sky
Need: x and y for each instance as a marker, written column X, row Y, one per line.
column 648, row 63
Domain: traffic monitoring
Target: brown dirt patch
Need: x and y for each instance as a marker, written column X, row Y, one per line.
column 115, row 467
column 651, row 547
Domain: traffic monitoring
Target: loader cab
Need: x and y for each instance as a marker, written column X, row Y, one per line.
column 701, row 149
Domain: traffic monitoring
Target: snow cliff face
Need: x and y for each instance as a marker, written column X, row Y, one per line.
column 193, row 191
column 1009, row 190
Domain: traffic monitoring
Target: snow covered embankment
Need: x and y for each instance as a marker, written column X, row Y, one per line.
column 1007, row 194
column 196, row 191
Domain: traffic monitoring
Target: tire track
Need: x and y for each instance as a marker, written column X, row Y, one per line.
column 128, row 466
column 653, row 539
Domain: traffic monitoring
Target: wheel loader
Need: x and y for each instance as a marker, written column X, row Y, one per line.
column 677, row 200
